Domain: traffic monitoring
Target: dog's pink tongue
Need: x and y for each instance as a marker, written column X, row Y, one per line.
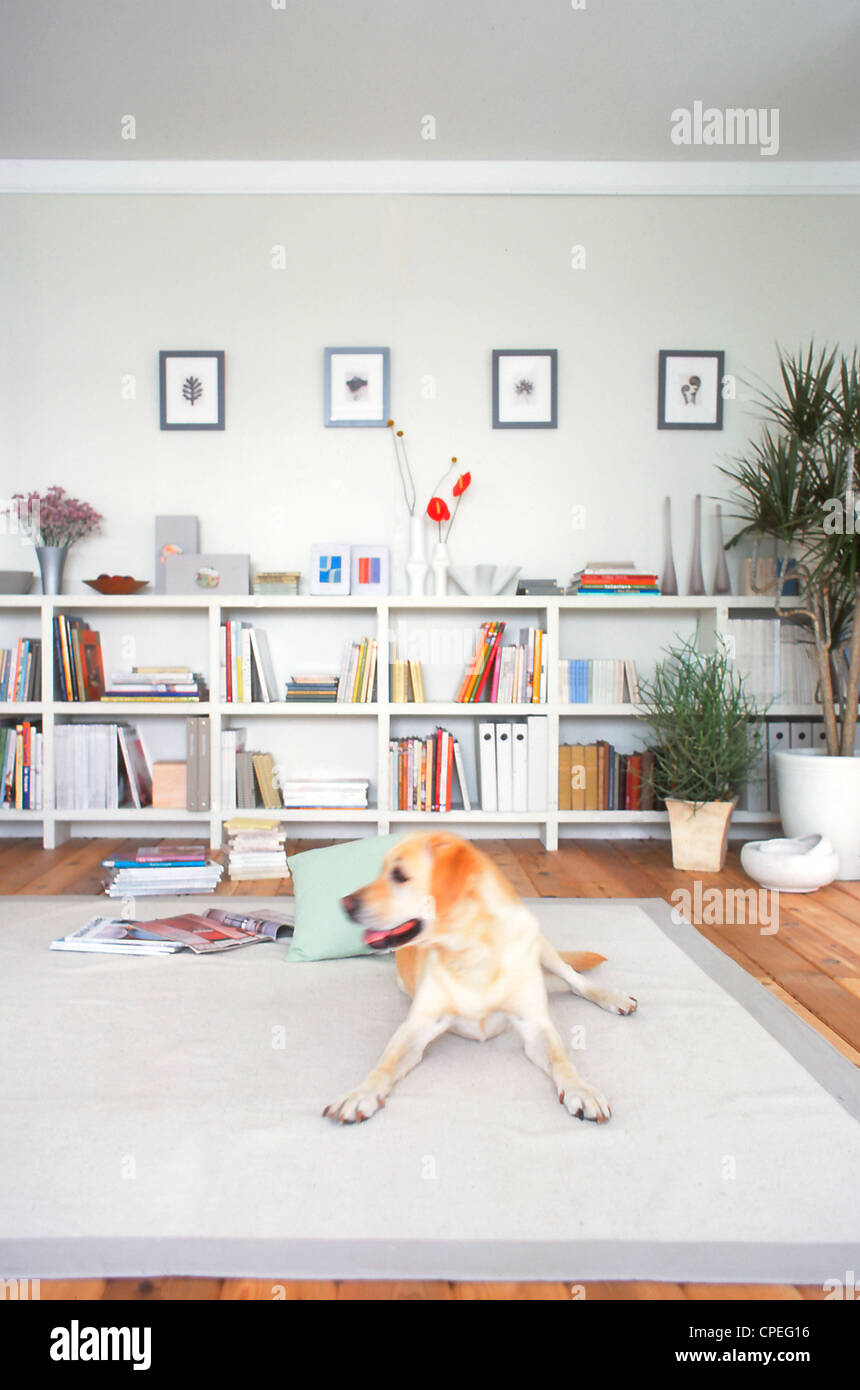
column 390, row 932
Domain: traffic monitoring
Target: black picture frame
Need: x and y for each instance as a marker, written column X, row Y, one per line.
column 504, row 415
column 669, row 410
column 172, row 409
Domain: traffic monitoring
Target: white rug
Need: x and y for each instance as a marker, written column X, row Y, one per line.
column 163, row 1116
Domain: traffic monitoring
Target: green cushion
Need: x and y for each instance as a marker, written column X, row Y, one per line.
column 321, row 877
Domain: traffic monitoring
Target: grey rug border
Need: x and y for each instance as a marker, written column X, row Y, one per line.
column 538, row 1261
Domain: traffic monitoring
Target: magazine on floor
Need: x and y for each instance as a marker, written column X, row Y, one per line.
column 163, row 936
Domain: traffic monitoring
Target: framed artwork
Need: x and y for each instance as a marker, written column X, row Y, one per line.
column 207, row 574
column 525, row 389
column 356, row 387
column 690, row 390
column 191, row 390
column 330, row 569
column 371, row 566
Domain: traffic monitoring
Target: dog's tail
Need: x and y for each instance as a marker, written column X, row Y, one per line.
column 581, row 960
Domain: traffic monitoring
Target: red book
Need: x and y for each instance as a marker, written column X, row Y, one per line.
column 634, row 782
column 450, row 771
column 437, row 795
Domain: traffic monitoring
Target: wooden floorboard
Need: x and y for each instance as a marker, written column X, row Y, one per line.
column 811, row 963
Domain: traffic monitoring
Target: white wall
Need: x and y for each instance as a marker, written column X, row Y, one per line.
column 93, row 287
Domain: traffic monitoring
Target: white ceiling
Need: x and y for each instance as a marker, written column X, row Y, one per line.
column 353, row 79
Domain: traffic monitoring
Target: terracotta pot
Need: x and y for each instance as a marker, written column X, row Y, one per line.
column 700, row 833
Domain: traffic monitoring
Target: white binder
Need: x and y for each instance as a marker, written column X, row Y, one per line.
column 538, row 750
column 504, row 767
column 520, row 767
column 487, row 767
column 777, row 741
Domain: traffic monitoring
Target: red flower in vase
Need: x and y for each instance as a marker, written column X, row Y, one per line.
column 437, row 509
column 461, row 484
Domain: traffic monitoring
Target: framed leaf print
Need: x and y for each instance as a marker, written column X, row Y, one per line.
column 356, row 387
column 689, row 395
column 192, row 390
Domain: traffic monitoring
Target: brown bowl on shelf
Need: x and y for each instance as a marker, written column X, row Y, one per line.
column 117, row 584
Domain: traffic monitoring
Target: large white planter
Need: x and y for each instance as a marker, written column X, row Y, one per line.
column 820, row 795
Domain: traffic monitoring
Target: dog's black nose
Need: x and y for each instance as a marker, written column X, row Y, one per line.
column 349, row 904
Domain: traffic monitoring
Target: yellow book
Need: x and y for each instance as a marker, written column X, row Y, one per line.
column 577, row 777
column 536, row 675
column 417, row 675
column 592, row 791
column 359, row 675
column 19, row 767
column 564, row 762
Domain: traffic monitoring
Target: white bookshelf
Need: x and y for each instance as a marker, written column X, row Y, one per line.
column 300, row 630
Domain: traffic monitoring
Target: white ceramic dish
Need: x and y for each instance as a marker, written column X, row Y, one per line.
column 791, row 866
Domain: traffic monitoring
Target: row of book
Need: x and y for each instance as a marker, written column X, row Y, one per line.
column 162, row 870
column 599, row 681
column 78, row 666
column 100, row 767
column 776, row 659
column 407, row 675
column 613, row 577
column 21, row 671
column 511, row 674
column 255, row 849
column 247, row 672
column 20, row 767
column 597, row 777
column 422, row 772
column 358, row 672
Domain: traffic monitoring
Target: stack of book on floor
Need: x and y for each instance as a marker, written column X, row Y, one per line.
column 325, row 793
column 21, row 671
column 255, row 849
column 358, row 672
column 602, row 681
column 247, row 672
column 161, row 870
column 318, row 688
column 513, row 765
column 21, row 767
column 406, row 674
column 596, row 777
column 422, row 773
column 78, row 668
column 156, row 685
column 100, row 767
column 512, row 674
column 613, row 577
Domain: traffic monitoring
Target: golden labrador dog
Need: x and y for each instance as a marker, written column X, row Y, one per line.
column 469, row 953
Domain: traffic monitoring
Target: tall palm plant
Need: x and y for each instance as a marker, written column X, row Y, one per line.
column 799, row 485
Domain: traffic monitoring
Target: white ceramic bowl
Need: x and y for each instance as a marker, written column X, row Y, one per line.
column 483, row 579
column 791, row 866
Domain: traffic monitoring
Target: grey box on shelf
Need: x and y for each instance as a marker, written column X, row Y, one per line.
column 174, row 535
column 208, row 574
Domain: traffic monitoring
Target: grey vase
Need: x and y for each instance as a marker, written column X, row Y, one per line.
column 52, row 561
column 697, row 579
column 668, row 579
column 722, row 582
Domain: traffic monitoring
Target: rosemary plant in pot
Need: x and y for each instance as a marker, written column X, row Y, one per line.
column 798, row 488
column 708, row 736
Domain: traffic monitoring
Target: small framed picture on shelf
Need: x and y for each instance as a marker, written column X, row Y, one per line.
column 330, row 569
column 690, row 395
column 370, row 569
column 525, row 389
column 191, row 390
column 356, row 387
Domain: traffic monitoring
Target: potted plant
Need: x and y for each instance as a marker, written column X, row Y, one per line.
column 56, row 522
column 708, row 734
column 798, row 487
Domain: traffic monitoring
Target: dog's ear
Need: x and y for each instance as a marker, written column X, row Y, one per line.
column 456, row 865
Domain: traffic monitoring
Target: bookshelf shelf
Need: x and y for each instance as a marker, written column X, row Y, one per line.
column 297, row 724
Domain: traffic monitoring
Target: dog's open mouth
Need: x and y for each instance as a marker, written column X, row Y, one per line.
column 393, row 936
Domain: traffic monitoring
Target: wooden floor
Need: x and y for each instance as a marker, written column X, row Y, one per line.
column 812, row 963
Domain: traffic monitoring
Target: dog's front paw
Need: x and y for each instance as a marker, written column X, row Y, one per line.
column 615, row 1002
column 584, row 1103
column 356, row 1106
